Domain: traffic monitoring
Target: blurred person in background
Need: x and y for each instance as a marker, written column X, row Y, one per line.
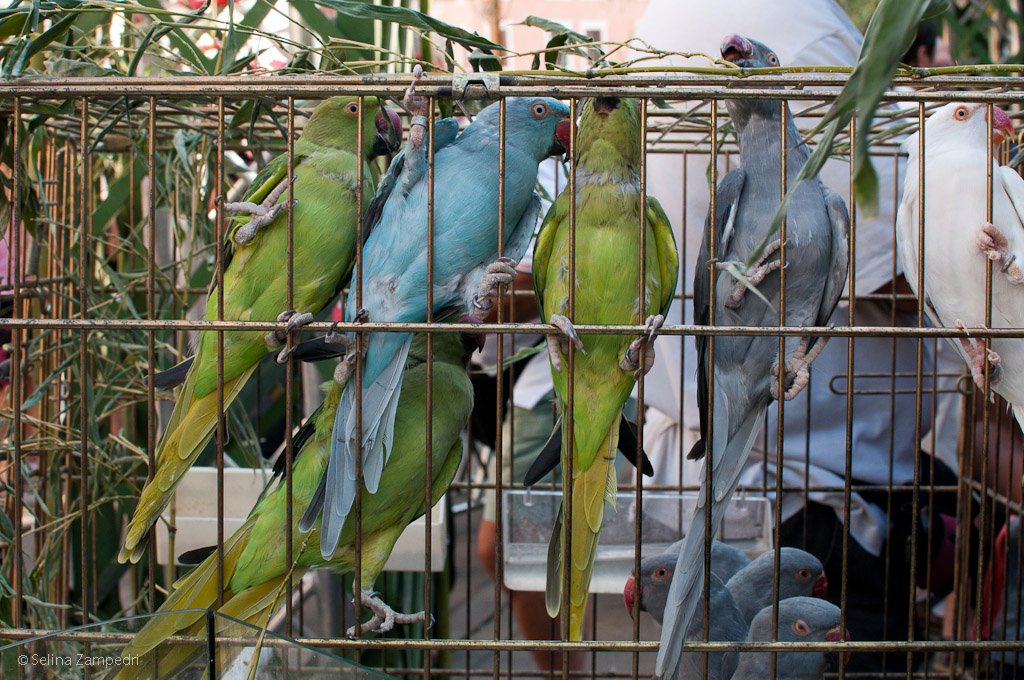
column 882, row 444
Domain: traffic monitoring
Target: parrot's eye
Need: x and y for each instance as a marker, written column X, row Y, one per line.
column 803, row 574
column 772, row 59
column 800, row 627
column 539, row 109
column 661, row 573
column 962, row 113
column 352, row 108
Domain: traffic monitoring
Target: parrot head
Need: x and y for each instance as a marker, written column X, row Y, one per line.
column 334, row 123
column 801, row 619
column 531, row 124
column 747, row 53
column 652, row 585
column 800, row 574
column 609, row 132
column 966, row 122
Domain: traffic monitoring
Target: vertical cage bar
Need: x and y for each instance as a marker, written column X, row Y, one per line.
column 151, row 415
column 428, row 425
column 289, row 379
column 15, row 359
column 83, row 360
column 221, row 431
column 569, row 424
column 499, row 453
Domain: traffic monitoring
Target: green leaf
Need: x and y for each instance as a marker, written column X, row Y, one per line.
column 41, row 389
column 13, row 25
column 551, row 53
column 412, row 19
column 554, row 27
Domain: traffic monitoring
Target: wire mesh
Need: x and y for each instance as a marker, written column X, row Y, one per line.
column 124, row 228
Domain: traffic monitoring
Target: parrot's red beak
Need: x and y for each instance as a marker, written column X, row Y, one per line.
column 837, row 635
column 736, row 48
column 563, row 134
column 820, row 589
column 1002, row 126
column 389, row 132
column 629, row 594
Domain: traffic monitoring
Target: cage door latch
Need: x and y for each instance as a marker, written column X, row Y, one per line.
column 467, row 85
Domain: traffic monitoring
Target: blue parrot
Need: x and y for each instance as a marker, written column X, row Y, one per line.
column 467, row 269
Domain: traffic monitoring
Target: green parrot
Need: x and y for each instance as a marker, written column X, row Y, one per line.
column 254, row 558
column 606, row 367
column 324, row 220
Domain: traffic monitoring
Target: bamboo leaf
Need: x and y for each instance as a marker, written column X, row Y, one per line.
column 411, row 19
column 889, row 34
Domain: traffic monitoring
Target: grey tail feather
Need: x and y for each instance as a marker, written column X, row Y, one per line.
column 553, row 584
column 378, row 405
column 316, row 504
column 1018, row 414
column 687, row 586
column 172, row 377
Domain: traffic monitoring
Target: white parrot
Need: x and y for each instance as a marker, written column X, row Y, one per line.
column 958, row 241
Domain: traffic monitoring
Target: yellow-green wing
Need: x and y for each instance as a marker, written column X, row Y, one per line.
column 668, row 254
column 543, row 247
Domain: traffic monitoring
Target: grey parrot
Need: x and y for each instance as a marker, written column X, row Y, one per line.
column 800, row 574
column 801, row 619
column 746, row 368
column 726, row 622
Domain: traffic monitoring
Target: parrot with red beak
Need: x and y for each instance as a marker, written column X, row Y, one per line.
column 959, row 240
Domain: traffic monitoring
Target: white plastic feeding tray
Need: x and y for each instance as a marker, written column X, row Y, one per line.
column 529, row 516
column 195, row 503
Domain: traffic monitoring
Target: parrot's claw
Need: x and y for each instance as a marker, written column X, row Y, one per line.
column 798, row 369
column 384, row 617
column 362, row 316
column 557, row 345
column 262, row 214
column 343, row 371
column 275, row 339
column 996, row 247
column 631, row 360
column 499, row 273
column 418, row 107
column 979, row 356
column 754, row 275
column 333, row 337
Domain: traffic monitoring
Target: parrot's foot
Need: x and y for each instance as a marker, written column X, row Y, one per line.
column 333, row 337
column 631, row 361
column 979, row 355
column 275, row 339
column 384, row 617
column 995, row 246
column 262, row 214
column 418, row 108
column 798, row 369
column 558, row 344
column 754, row 275
column 343, row 371
column 499, row 273
column 362, row 315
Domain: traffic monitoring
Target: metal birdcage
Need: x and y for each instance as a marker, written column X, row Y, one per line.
column 116, row 213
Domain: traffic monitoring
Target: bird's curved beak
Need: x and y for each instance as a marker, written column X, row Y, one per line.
column 838, row 635
column 820, row 588
column 736, row 49
column 629, row 594
column 605, row 105
column 1002, row 126
column 562, row 142
column 389, row 132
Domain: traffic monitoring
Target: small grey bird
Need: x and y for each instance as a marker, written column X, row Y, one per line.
column 801, row 619
column 656, row 575
column 746, row 368
column 800, row 574
column 726, row 620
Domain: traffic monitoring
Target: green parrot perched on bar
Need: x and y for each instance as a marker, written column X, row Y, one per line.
column 255, row 284
column 606, row 367
column 255, row 570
